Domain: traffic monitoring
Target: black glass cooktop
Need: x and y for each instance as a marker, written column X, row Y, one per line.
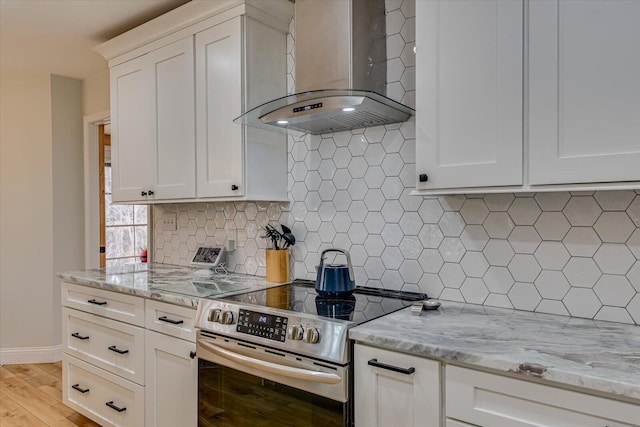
column 300, row 297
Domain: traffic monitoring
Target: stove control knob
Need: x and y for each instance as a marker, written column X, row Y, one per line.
column 311, row 336
column 226, row 318
column 296, row 332
column 214, row 315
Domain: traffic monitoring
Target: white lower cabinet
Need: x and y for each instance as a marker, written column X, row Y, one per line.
column 395, row 389
column 100, row 395
column 138, row 372
column 401, row 390
column 491, row 400
column 172, row 381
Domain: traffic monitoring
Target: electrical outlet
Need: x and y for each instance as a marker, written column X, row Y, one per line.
column 169, row 221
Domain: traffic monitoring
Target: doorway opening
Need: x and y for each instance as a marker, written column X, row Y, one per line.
column 123, row 228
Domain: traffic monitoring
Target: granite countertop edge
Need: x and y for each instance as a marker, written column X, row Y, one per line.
column 541, row 346
column 168, row 297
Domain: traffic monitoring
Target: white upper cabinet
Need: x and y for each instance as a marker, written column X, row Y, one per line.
column 173, row 130
column 177, row 84
column 537, row 98
column 130, row 131
column 469, row 93
column 219, row 88
column 584, row 91
column 240, row 64
column 153, row 125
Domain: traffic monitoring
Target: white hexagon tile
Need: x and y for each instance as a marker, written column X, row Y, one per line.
column 570, row 254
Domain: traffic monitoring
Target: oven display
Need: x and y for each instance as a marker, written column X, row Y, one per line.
column 262, row 325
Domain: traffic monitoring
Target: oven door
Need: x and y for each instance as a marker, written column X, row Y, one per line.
column 246, row 384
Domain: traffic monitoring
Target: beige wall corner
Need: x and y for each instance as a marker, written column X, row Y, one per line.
column 96, row 93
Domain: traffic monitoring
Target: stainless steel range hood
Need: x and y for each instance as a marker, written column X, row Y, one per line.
column 338, row 44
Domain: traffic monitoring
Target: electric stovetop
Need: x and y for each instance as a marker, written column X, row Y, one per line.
column 300, row 297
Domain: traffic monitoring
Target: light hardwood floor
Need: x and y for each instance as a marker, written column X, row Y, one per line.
column 31, row 396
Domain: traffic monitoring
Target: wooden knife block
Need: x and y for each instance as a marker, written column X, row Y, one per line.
column 277, row 261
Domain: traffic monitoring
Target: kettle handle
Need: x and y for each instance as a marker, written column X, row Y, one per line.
column 351, row 275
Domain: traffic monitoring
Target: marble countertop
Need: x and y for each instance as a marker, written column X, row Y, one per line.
column 596, row 355
column 168, row 283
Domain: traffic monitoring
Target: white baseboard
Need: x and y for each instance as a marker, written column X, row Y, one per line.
column 23, row 355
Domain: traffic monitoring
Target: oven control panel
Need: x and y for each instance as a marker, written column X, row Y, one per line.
column 262, row 325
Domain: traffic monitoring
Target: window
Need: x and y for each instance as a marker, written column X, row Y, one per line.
column 126, row 228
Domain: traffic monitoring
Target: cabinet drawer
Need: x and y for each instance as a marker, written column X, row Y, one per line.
column 88, row 390
column 126, row 308
column 493, row 400
column 114, row 346
column 170, row 319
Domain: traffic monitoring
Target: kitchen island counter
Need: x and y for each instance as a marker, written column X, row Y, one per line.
column 168, row 283
column 594, row 355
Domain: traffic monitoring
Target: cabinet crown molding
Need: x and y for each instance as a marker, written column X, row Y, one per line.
column 276, row 14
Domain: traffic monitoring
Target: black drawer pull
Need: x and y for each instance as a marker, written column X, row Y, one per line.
column 80, row 337
column 93, row 301
column 173, row 322
column 114, row 407
column 406, row 371
column 117, row 350
column 80, row 389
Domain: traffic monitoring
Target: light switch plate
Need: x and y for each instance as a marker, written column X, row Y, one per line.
column 168, row 221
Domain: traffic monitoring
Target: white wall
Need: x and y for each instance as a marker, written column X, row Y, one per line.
column 40, row 161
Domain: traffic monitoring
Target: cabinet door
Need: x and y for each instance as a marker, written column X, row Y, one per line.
column 171, row 396
column 173, row 123
column 153, row 125
column 584, row 91
column 131, row 141
column 384, row 397
column 469, row 93
column 219, row 101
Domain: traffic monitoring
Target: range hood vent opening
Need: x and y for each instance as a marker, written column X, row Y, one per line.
column 339, row 43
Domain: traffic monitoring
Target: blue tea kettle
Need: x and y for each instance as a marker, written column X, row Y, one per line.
column 335, row 280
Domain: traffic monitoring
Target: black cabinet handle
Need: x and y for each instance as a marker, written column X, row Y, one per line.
column 234, row 187
column 80, row 389
column 151, row 193
column 423, row 177
column 114, row 407
column 93, row 301
column 117, row 350
column 192, row 354
column 143, row 193
column 80, row 337
column 406, row 371
column 173, row 322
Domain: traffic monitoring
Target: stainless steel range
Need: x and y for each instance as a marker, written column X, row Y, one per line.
column 282, row 356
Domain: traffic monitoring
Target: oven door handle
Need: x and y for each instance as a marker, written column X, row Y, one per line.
column 274, row 368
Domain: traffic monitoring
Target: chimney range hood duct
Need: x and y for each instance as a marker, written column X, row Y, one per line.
column 339, row 44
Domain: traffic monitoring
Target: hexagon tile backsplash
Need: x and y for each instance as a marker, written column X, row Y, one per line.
column 573, row 254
